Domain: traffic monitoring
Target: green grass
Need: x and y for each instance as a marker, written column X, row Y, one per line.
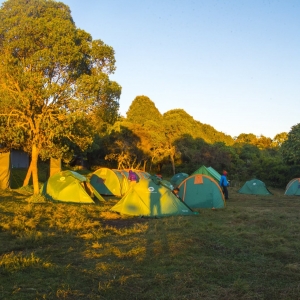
column 249, row 250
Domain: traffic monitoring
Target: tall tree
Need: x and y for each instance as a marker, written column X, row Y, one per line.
column 263, row 142
column 141, row 110
column 211, row 135
column 291, row 147
column 143, row 113
column 246, row 138
column 279, row 139
column 52, row 77
column 177, row 124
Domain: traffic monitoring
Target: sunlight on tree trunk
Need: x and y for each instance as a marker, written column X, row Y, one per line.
column 144, row 165
column 34, row 161
column 28, row 175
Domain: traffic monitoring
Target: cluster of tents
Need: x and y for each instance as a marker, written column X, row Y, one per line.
column 63, row 185
column 149, row 195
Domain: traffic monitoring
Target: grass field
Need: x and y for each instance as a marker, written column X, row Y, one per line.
column 249, row 250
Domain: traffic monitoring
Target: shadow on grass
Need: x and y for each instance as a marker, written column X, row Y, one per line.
column 249, row 250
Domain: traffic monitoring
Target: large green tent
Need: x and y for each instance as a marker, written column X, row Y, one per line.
column 201, row 191
column 254, row 187
column 69, row 186
column 209, row 172
column 214, row 173
column 178, row 178
column 293, row 187
column 109, row 182
column 149, row 199
column 167, row 184
column 4, row 170
column 164, row 182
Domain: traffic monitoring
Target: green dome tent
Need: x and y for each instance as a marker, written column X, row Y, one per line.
column 69, row 186
column 201, row 191
column 254, row 187
column 209, row 172
column 167, row 184
column 109, row 182
column 293, row 187
column 178, row 178
column 163, row 182
column 148, row 199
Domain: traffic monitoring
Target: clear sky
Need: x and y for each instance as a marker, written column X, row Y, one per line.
column 233, row 64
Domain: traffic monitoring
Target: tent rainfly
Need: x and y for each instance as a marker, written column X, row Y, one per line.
column 163, row 182
column 178, row 178
column 110, row 182
column 149, row 199
column 69, row 186
column 201, row 191
column 293, row 187
column 254, row 187
column 209, row 172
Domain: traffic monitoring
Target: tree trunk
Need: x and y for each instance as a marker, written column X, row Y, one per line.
column 144, row 165
column 34, row 161
column 172, row 158
column 159, row 168
column 173, row 163
column 28, row 175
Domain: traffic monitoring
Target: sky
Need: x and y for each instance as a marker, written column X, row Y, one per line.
column 233, row 64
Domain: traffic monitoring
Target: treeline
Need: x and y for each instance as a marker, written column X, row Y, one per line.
column 174, row 142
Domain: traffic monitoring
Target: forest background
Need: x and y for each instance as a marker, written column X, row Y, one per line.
column 57, row 100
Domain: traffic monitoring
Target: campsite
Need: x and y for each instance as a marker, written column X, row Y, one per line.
column 53, row 250
column 138, row 162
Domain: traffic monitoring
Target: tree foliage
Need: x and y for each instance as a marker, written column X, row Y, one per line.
column 291, row 146
column 246, row 138
column 179, row 143
column 53, row 76
column 123, row 148
column 141, row 110
column 279, row 139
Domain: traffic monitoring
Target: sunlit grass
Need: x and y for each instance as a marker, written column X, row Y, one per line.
column 249, row 250
column 13, row 262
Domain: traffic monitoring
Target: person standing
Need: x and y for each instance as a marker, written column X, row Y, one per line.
column 224, row 184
